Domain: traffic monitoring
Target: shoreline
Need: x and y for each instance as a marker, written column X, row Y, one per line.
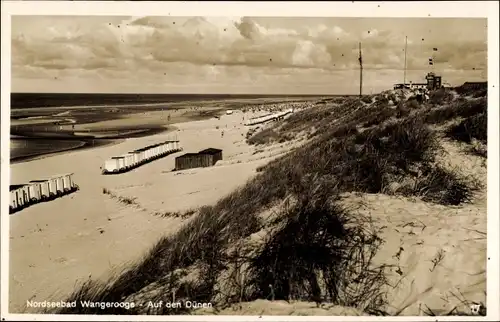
column 43, row 155
column 97, row 135
column 87, row 143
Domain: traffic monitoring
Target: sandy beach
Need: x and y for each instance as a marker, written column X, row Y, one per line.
column 89, row 234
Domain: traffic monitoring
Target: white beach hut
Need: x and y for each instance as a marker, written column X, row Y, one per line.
column 142, row 157
column 13, row 200
column 126, row 161
column 111, row 165
column 35, row 191
column 16, row 197
column 121, row 162
column 135, row 157
column 26, row 194
column 52, row 186
column 44, row 188
column 68, row 183
column 130, row 157
column 19, row 197
column 59, row 184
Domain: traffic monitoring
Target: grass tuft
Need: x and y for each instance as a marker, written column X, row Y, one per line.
column 473, row 127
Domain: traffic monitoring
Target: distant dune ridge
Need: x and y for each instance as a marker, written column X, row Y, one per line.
column 348, row 206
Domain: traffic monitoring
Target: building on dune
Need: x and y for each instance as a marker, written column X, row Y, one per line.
column 475, row 86
column 433, row 82
column 202, row 159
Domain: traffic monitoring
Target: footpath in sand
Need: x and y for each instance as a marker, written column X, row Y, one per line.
column 57, row 245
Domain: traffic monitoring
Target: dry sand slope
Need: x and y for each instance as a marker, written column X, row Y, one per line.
column 438, row 252
column 58, row 244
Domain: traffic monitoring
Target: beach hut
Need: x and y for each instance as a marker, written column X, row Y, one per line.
column 187, row 161
column 44, row 188
column 211, row 155
column 52, row 186
column 127, row 160
column 16, row 197
column 13, row 200
column 20, row 197
column 204, row 158
column 25, row 194
column 59, row 184
column 111, row 165
column 121, row 163
column 135, row 157
column 168, row 146
column 142, row 155
column 68, row 183
column 17, row 193
column 35, row 191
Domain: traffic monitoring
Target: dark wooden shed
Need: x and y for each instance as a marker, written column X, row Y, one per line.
column 204, row 158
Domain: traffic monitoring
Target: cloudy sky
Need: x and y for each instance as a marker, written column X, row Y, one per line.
column 261, row 55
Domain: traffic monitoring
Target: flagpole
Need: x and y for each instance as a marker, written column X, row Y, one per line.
column 433, row 60
column 360, row 72
column 404, row 73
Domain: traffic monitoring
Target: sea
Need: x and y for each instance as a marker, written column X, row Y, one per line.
column 33, row 100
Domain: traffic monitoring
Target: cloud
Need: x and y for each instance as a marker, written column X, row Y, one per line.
column 224, row 50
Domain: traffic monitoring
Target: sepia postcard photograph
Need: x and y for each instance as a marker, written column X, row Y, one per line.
column 224, row 160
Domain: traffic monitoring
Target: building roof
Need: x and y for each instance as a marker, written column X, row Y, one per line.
column 210, row 151
column 187, row 155
column 475, row 83
column 15, row 186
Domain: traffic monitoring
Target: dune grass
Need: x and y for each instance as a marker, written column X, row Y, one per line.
column 458, row 108
column 316, row 250
column 473, row 127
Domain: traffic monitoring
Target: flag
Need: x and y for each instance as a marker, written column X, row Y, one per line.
column 360, row 60
column 434, row 49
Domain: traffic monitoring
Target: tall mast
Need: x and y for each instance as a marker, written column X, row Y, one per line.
column 360, row 71
column 406, row 47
